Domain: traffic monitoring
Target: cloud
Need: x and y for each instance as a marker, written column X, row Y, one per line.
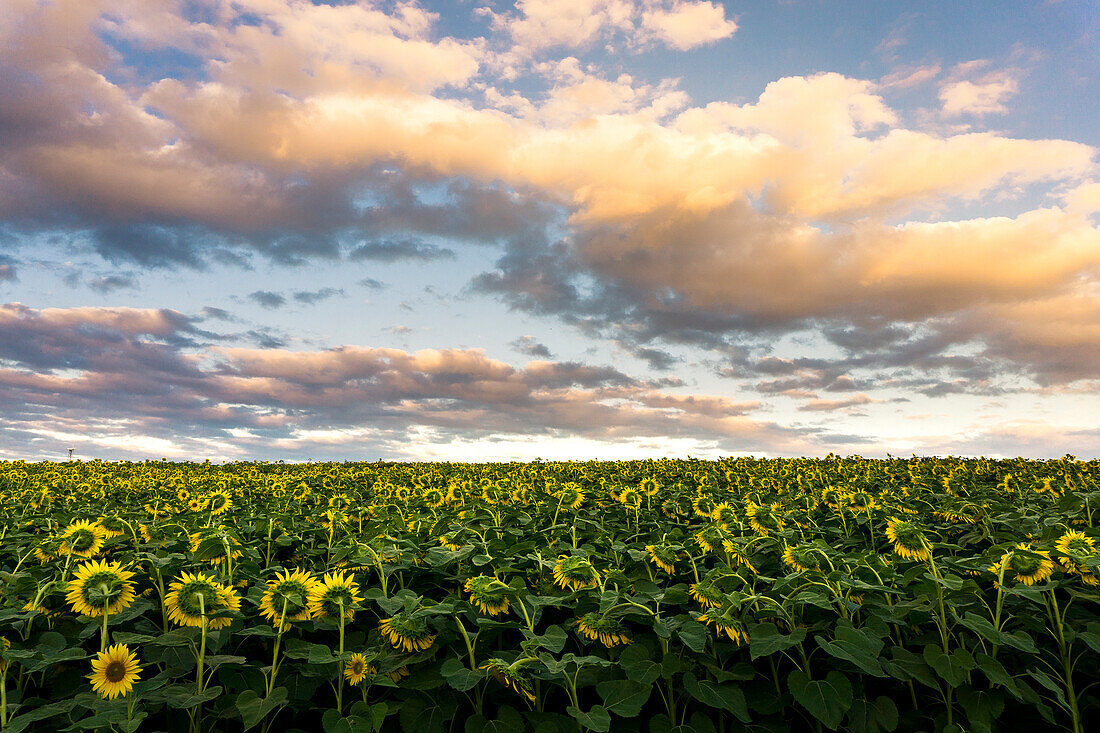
column 405, row 249
column 267, row 299
column 311, row 297
column 819, row 405
column 685, row 24
column 529, row 346
column 966, row 93
column 105, row 284
column 94, row 367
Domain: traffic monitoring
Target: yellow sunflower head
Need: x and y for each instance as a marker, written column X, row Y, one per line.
column 909, row 540
column 199, row 596
column 82, row 539
column 356, row 669
column 508, row 675
column 99, row 587
column 724, row 623
column 603, row 628
column 335, row 594
column 114, row 672
column 1025, row 565
column 287, row 597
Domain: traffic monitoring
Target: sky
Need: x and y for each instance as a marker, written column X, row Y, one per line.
column 559, row 229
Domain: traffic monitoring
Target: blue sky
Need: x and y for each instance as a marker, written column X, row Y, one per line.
column 479, row 230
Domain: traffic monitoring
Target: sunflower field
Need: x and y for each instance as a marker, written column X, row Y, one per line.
column 684, row 596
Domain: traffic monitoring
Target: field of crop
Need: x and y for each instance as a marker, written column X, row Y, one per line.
column 742, row 594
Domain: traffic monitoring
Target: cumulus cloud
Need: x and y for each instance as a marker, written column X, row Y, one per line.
column 531, row 347
column 969, row 92
column 267, row 299
column 685, row 24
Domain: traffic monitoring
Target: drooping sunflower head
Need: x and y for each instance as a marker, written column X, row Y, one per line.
column 724, row 623
column 99, row 587
column 197, row 596
column 649, row 486
column 407, row 632
column 112, row 526
column 357, row 669
column 114, row 672
column 707, row 594
column 335, row 594
column 738, row 551
column 509, row 676
column 603, row 628
column 909, row 540
column 575, row 572
column 1025, row 564
column 488, row 594
column 703, row 505
column 82, row 539
column 663, row 556
column 724, row 514
column 287, row 597
column 710, row 537
column 764, row 518
column 802, row 558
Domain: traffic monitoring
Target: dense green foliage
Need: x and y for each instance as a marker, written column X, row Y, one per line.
column 742, row 594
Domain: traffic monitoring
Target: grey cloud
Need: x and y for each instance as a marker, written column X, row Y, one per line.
column 267, row 299
column 310, row 297
column 529, row 346
column 398, row 250
column 105, row 284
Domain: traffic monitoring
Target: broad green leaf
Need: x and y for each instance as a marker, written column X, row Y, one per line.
column 722, row 696
column 827, row 700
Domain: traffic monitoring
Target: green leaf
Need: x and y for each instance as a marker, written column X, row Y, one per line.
column 765, row 639
column 624, row 698
column 906, row 665
column 860, row 647
column 982, row 707
column 459, row 676
column 997, row 674
column 951, row 668
column 868, row 717
column 694, row 635
column 724, row 697
column 596, row 719
column 253, row 708
column 637, row 665
column 984, row 628
column 827, row 700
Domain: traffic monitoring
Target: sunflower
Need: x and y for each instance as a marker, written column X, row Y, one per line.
column 42, row 556
column 575, row 572
column 99, row 587
column 407, row 632
column 723, row 623
column 703, row 506
column 1026, row 565
column 114, row 672
column 608, row 631
column 5, row 644
column 764, row 518
column 1075, row 543
column 357, row 669
column 287, row 596
column 707, row 594
column 630, row 498
column 738, row 554
column 710, row 537
column 488, row 594
column 909, row 540
column 509, row 676
column 450, row 541
column 663, row 556
column 571, row 496
column 217, row 502
column 112, row 526
column 197, row 596
column 802, row 558
column 724, row 514
column 82, row 539
column 649, row 486
column 333, row 594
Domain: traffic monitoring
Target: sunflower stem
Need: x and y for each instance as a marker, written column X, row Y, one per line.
column 340, row 664
column 275, row 653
